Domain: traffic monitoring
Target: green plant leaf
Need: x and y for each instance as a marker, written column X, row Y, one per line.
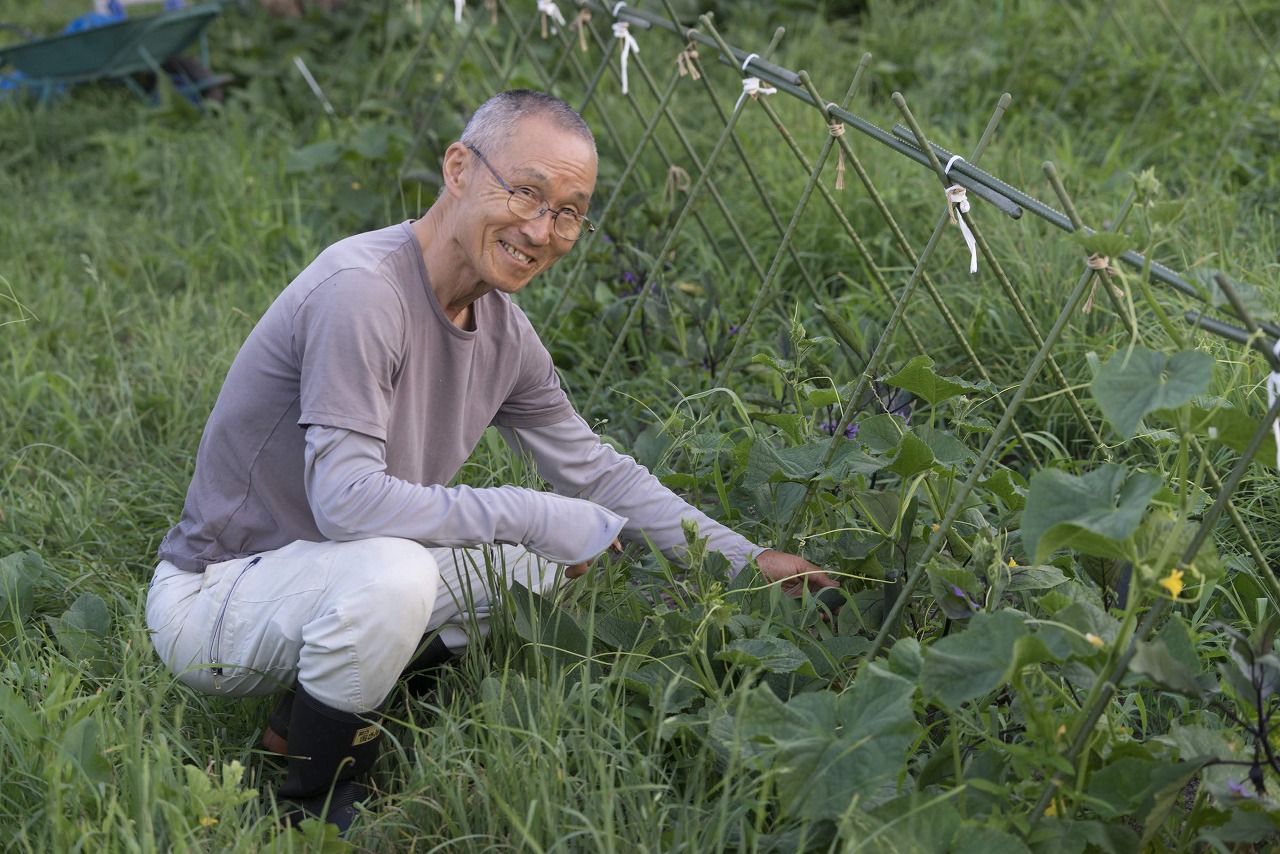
column 972, row 663
column 1009, row 485
column 18, row 717
column 905, row 658
column 312, row 158
column 956, row 589
column 1220, row 421
column 19, row 573
column 881, row 433
column 774, row 655
column 988, row 840
column 1135, row 382
column 803, row 463
column 1108, row 243
column 1093, row 513
column 947, row 450
column 80, row 746
column 918, row 377
column 914, row 822
column 913, row 456
column 826, row 750
column 1129, row 785
column 1042, row 577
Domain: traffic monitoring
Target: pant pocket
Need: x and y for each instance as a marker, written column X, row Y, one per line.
column 219, row 635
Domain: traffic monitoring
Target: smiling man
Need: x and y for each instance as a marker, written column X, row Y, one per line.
column 321, row 553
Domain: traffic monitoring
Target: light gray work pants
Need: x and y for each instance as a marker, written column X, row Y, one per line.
column 341, row 619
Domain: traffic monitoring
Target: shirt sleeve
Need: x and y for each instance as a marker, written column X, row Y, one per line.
column 571, row 457
column 348, row 339
column 352, row 497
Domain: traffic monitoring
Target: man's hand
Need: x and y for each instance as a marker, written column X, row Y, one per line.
column 793, row 572
column 579, row 569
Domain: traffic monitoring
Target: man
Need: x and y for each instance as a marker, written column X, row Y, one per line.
column 319, row 544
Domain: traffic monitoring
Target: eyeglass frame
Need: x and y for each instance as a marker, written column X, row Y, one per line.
column 543, row 204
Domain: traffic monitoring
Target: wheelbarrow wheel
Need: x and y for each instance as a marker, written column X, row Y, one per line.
column 190, row 71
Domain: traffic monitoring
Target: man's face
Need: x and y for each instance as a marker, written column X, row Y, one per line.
column 540, row 158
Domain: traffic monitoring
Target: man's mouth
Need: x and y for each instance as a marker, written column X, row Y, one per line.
column 515, row 253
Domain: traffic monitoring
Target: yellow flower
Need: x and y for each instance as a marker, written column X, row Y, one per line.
column 1095, row 640
column 207, row 821
column 1173, row 583
column 1052, row 809
column 1012, row 563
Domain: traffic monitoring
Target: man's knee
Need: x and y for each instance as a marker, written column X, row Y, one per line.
column 399, row 584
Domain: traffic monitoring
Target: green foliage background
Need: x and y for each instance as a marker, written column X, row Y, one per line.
column 655, row 708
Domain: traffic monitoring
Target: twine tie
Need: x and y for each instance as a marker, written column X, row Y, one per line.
column 622, row 30
column 677, row 180
column 684, row 62
column 579, row 24
column 837, row 131
column 957, row 207
column 548, row 8
column 1273, row 389
column 1102, row 264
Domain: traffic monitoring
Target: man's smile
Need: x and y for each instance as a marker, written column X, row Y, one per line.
column 515, row 253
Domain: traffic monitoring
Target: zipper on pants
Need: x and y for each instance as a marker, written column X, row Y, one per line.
column 215, row 637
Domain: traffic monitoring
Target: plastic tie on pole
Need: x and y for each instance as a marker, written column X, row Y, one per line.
column 957, row 207
column 751, row 86
column 548, row 8
column 622, row 30
column 458, row 6
column 1273, row 390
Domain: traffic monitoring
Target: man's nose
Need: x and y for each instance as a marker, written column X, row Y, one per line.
column 538, row 230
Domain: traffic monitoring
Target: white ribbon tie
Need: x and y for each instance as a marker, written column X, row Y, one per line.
column 457, row 10
column 751, row 86
column 957, row 206
column 549, row 9
column 621, row 30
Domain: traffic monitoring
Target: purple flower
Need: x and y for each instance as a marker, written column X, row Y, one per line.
column 733, row 330
column 829, row 427
column 1238, row 789
column 956, row 589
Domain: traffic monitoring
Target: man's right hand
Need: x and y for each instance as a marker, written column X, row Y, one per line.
column 579, row 569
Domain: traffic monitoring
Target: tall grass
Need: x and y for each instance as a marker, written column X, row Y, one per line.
column 139, row 245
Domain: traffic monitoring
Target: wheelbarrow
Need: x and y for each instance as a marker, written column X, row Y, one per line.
column 123, row 50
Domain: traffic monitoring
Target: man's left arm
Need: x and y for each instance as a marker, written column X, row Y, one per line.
column 571, row 457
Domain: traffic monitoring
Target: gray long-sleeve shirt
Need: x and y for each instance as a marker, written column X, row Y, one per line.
column 354, row 402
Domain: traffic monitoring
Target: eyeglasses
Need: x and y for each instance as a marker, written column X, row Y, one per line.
column 526, row 204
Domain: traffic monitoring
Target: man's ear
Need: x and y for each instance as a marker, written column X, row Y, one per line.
column 454, row 170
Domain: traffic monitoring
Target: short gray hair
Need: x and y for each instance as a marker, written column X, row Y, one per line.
column 494, row 122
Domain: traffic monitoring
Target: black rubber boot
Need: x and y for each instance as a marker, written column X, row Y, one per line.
column 328, row 751
column 421, row 674
column 420, row 677
column 275, row 738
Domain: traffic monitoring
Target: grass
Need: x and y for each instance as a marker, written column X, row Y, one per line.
column 141, row 243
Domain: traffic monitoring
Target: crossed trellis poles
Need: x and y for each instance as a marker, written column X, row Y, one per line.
column 586, row 56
